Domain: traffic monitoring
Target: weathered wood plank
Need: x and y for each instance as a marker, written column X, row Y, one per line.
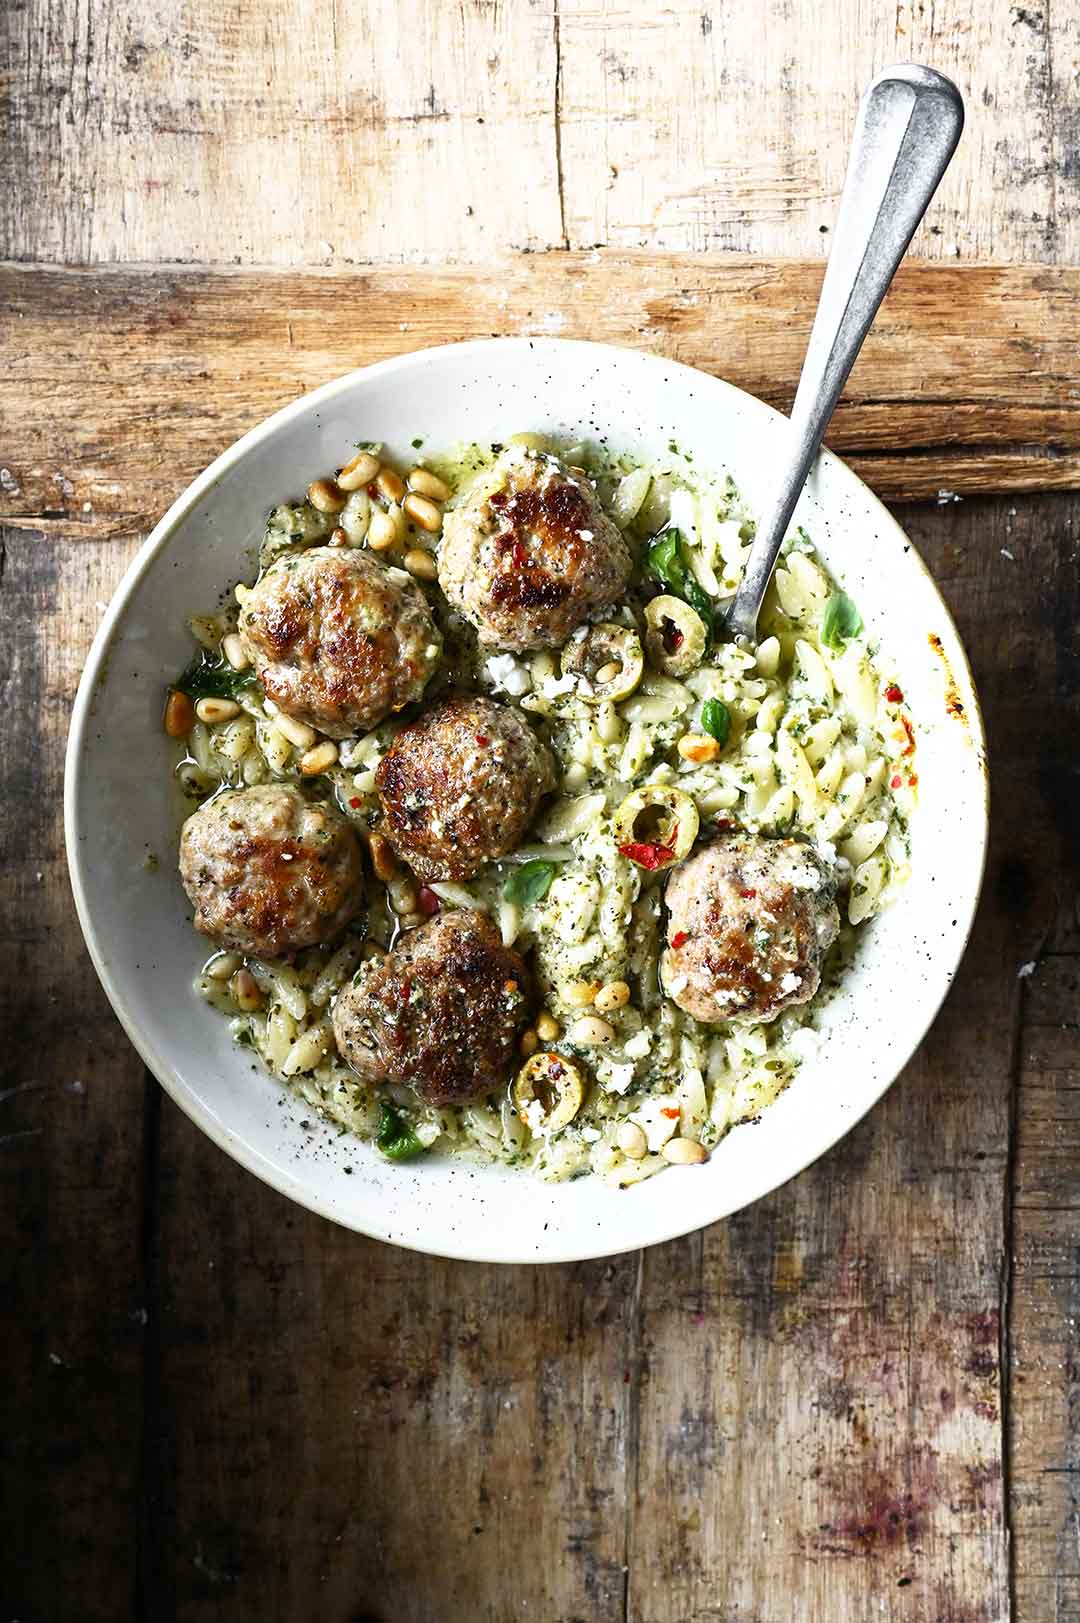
column 291, row 134
column 71, row 1089
column 967, row 382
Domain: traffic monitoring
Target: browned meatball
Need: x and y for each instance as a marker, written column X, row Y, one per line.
column 337, row 641
column 460, row 786
column 530, row 553
column 268, row 871
column 751, row 919
column 442, row 1013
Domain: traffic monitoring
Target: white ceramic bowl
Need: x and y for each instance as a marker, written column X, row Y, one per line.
column 120, row 804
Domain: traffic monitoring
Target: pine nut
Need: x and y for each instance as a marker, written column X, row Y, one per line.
column 423, row 512
column 607, row 673
column 631, row 1140
column 245, row 989
column 580, row 994
column 318, row 759
column 548, row 1028
column 426, row 483
column 359, row 472
column 297, row 732
column 612, row 996
column 529, row 1043
column 179, row 714
column 211, row 710
column 390, row 485
column 591, row 1032
column 684, row 1152
column 224, row 965
column 695, row 747
column 383, row 861
column 325, row 495
column 382, row 532
column 421, row 564
column 233, row 648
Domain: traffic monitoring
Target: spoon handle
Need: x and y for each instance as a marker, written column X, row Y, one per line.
column 909, row 123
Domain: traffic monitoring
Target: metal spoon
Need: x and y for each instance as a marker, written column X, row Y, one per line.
column 909, row 123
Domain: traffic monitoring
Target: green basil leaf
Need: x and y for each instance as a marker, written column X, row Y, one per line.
column 395, row 1138
column 207, row 678
column 716, row 719
column 529, row 883
column 665, row 559
column 840, row 622
column 700, row 601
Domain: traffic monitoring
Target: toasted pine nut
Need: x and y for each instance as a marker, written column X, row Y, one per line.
column 383, row 861
column 233, row 648
column 423, row 512
column 696, row 747
column 318, row 759
column 403, row 893
column 224, row 965
column 421, row 564
column 426, row 483
column 245, row 989
column 179, row 714
column 297, row 732
column 359, row 472
column 338, row 538
column 631, row 1140
column 547, row 1028
column 390, row 485
column 580, row 994
column 529, row 1043
column 612, row 996
column 325, row 495
column 382, row 532
column 684, row 1152
column 211, row 710
column 590, row 1031
column 607, row 673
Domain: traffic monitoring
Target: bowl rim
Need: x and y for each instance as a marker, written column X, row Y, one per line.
column 235, row 1145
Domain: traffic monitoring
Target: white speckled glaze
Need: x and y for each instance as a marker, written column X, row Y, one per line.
column 118, row 801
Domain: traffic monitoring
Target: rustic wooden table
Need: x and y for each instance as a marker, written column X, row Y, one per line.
column 858, row 1399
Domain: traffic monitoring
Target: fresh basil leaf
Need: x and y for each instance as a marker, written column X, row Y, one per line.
column 840, row 622
column 716, row 719
column 700, row 601
column 529, row 883
column 665, row 560
column 207, row 678
column 395, row 1137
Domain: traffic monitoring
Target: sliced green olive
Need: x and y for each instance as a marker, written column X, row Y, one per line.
column 609, row 659
column 656, row 825
column 553, row 1083
column 675, row 636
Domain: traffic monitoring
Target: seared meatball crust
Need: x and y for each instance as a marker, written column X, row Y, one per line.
column 530, row 553
column 750, row 921
column 337, row 641
column 442, row 1013
column 460, row 786
column 268, row 872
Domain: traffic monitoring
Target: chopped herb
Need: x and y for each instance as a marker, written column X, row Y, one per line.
column 245, row 1039
column 416, row 444
column 395, row 1138
column 207, row 678
column 667, row 560
column 840, row 622
column 529, row 883
column 716, row 719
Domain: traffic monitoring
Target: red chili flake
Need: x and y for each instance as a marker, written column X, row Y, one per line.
column 723, row 824
column 913, row 778
column 672, row 1115
column 894, row 695
column 647, row 856
column 680, row 938
column 910, row 749
column 406, row 991
column 748, row 895
column 481, row 738
column 373, row 491
column 895, row 781
column 427, row 901
column 519, row 555
column 355, row 801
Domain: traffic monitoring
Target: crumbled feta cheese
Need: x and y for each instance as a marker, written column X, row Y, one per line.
column 658, row 1119
column 790, row 982
column 553, row 686
column 616, row 1078
column 590, row 1134
column 507, row 675
column 637, row 1047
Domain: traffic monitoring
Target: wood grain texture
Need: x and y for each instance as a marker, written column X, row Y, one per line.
column 968, row 381
column 300, row 133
